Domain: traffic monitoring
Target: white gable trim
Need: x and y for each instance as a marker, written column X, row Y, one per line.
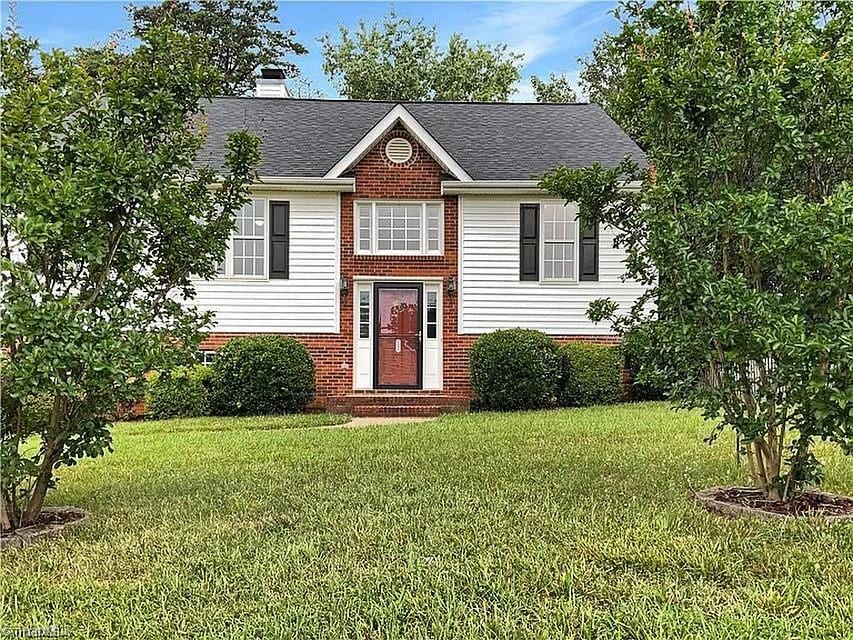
column 398, row 114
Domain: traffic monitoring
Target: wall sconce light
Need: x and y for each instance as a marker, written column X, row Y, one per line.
column 451, row 285
column 344, row 286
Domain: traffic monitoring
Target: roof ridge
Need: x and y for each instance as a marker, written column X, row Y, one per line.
column 427, row 102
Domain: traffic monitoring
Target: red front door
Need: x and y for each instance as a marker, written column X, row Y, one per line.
column 397, row 339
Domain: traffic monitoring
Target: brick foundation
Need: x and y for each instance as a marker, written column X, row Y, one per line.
column 378, row 178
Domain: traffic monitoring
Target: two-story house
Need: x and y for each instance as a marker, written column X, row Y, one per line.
column 387, row 236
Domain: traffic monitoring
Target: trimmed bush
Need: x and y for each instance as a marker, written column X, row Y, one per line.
column 592, row 374
column 514, row 370
column 261, row 375
column 181, row 393
column 646, row 384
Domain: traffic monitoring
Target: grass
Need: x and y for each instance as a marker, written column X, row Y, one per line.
column 177, row 425
column 564, row 524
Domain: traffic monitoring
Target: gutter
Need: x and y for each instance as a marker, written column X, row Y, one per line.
column 279, row 183
column 283, row 183
column 505, row 187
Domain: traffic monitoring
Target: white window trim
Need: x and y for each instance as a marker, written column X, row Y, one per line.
column 374, row 232
column 575, row 247
column 206, row 357
column 229, row 251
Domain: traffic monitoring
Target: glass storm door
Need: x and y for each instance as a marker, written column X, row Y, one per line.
column 397, row 338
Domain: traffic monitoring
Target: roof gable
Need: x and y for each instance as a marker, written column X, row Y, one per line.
column 399, row 114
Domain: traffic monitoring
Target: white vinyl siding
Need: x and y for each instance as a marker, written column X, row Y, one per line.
column 491, row 296
column 306, row 302
column 398, row 228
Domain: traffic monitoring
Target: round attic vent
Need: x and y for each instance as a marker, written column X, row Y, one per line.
column 398, row 150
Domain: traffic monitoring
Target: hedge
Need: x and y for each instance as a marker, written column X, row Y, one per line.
column 592, row 374
column 261, row 375
column 514, row 369
column 181, row 393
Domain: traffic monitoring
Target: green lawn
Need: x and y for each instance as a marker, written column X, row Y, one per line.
column 560, row 524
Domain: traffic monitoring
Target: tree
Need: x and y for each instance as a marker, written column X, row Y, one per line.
column 556, row 88
column 400, row 60
column 105, row 216
column 744, row 230
column 239, row 32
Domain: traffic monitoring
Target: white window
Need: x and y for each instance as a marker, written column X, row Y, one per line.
column 206, row 357
column 399, row 228
column 559, row 242
column 247, row 247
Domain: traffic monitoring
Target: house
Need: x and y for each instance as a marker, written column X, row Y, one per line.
column 387, row 236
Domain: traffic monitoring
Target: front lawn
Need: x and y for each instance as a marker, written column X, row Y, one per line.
column 563, row 524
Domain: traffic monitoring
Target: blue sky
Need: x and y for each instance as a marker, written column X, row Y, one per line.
column 550, row 35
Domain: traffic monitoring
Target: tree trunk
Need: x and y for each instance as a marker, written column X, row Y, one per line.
column 768, row 468
column 5, row 517
column 36, row 501
column 51, row 453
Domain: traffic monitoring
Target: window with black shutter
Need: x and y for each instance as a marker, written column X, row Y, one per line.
column 529, row 242
column 589, row 253
column 279, row 240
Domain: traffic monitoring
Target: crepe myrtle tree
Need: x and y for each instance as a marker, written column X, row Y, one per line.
column 105, row 216
column 743, row 229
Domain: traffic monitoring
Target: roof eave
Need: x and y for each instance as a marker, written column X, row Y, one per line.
column 505, row 187
column 301, row 183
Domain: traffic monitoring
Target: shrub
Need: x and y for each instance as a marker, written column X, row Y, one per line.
column 592, row 374
column 181, row 393
column 35, row 409
column 261, row 375
column 646, row 383
column 514, row 369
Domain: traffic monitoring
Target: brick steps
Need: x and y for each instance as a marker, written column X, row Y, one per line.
column 380, row 403
column 420, row 411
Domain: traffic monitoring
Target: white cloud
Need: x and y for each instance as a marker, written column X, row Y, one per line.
column 532, row 30
column 523, row 92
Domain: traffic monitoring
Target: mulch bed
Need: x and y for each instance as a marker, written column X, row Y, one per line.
column 51, row 522
column 741, row 501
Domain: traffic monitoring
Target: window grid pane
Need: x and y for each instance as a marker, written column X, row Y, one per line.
column 433, row 227
column 365, row 222
column 364, row 314
column 558, row 234
column 248, row 242
column 432, row 315
column 399, row 228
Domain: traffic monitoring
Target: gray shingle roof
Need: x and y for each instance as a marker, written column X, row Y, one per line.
column 491, row 141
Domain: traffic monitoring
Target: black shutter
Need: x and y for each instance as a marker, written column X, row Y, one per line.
column 279, row 240
column 589, row 253
column 529, row 242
